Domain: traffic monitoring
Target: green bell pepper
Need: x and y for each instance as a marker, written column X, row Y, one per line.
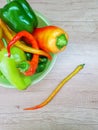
column 9, row 71
column 19, row 15
column 16, row 53
column 12, row 74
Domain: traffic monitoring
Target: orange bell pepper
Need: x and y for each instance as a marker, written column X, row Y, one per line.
column 51, row 38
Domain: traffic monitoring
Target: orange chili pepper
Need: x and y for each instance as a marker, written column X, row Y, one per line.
column 57, row 89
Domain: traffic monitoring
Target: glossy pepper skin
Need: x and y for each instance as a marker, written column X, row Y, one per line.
column 51, row 38
column 18, row 15
column 11, row 73
column 9, row 70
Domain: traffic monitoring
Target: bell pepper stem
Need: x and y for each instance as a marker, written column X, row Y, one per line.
column 61, row 41
column 23, row 66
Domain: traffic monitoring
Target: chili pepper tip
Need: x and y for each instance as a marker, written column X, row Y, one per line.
column 83, row 65
column 32, row 108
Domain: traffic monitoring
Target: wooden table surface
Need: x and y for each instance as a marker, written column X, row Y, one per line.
column 75, row 107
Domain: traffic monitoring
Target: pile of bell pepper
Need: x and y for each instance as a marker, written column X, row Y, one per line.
column 24, row 48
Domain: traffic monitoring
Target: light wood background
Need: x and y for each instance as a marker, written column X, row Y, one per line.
column 76, row 106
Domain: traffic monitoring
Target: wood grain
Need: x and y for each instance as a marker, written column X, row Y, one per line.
column 76, row 106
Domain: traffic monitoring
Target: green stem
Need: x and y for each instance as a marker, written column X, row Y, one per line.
column 23, row 66
column 61, row 41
